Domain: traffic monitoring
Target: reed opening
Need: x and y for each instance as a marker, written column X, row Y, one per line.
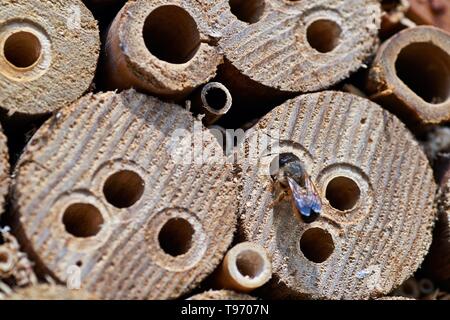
column 216, row 98
column 250, row 264
column 171, row 34
column 123, row 189
column 343, row 193
column 250, row 11
column 82, row 220
column 175, row 237
column 425, row 69
column 316, row 245
column 22, row 49
column 324, row 35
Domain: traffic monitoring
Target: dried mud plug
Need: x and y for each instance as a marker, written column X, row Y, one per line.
column 375, row 185
column 134, row 210
column 162, row 47
column 48, row 54
column 411, row 75
column 292, row 45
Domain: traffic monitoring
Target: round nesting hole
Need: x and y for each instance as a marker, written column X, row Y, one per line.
column 425, row 69
column 249, row 11
column 175, row 237
column 171, row 34
column 22, row 49
column 82, row 220
column 123, row 189
column 343, row 193
column 249, row 264
column 316, row 245
column 323, row 35
column 216, row 98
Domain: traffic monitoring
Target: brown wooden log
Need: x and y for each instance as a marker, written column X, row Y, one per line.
column 4, row 170
column 163, row 47
column 112, row 185
column 291, row 46
column 221, row 295
column 431, row 12
column 48, row 54
column 245, row 268
column 49, row 292
column 411, row 75
column 375, row 185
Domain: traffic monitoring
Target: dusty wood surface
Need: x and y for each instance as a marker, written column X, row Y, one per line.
column 293, row 45
column 370, row 236
column 4, row 170
column 411, row 75
column 49, row 292
column 162, row 47
column 106, row 185
column 48, row 54
column 221, row 295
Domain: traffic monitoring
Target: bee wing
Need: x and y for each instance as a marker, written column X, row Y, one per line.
column 306, row 199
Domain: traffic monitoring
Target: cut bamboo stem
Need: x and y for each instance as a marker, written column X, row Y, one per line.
column 375, row 185
column 48, row 54
column 411, row 75
column 213, row 101
column 162, row 47
column 290, row 46
column 221, row 295
column 111, row 185
column 245, row 268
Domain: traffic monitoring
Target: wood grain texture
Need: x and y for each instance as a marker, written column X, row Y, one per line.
column 4, row 170
column 292, row 45
column 163, row 47
column 49, row 292
column 178, row 211
column 221, row 295
column 386, row 231
column 63, row 37
column 411, row 75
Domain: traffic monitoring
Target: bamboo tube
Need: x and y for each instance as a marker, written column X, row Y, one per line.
column 48, row 54
column 214, row 101
column 290, row 46
column 4, row 170
column 49, row 292
column 221, row 295
column 127, row 199
column 375, row 185
column 162, row 47
column 411, row 75
column 245, row 268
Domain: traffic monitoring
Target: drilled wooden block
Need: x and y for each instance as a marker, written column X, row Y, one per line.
column 221, row 295
column 4, row 170
column 48, row 54
column 293, row 45
column 411, row 75
column 375, row 185
column 113, row 185
column 49, row 292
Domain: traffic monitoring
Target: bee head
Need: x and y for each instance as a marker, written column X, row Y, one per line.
column 288, row 165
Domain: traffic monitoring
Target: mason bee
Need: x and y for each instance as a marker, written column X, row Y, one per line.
column 295, row 184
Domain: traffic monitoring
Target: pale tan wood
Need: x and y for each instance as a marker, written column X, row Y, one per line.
column 4, row 170
column 395, row 298
column 221, row 295
column 163, row 47
column 245, row 268
column 110, row 185
column 48, row 54
column 49, row 292
column 376, row 187
column 299, row 46
column 411, row 75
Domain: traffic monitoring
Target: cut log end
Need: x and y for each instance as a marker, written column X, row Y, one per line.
column 49, row 292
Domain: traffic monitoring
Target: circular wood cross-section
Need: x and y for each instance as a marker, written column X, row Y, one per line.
column 375, row 185
column 112, row 185
column 300, row 46
column 48, row 54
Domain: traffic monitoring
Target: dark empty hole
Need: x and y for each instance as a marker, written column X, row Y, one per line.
column 425, row 69
column 82, row 220
column 342, row 193
column 171, row 34
column 123, row 189
column 249, row 264
column 175, row 237
column 324, row 35
column 4, row 257
column 426, row 286
column 249, row 11
column 317, row 245
column 216, row 98
column 22, row 49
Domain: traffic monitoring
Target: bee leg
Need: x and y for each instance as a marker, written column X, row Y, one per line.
column 278, row 199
